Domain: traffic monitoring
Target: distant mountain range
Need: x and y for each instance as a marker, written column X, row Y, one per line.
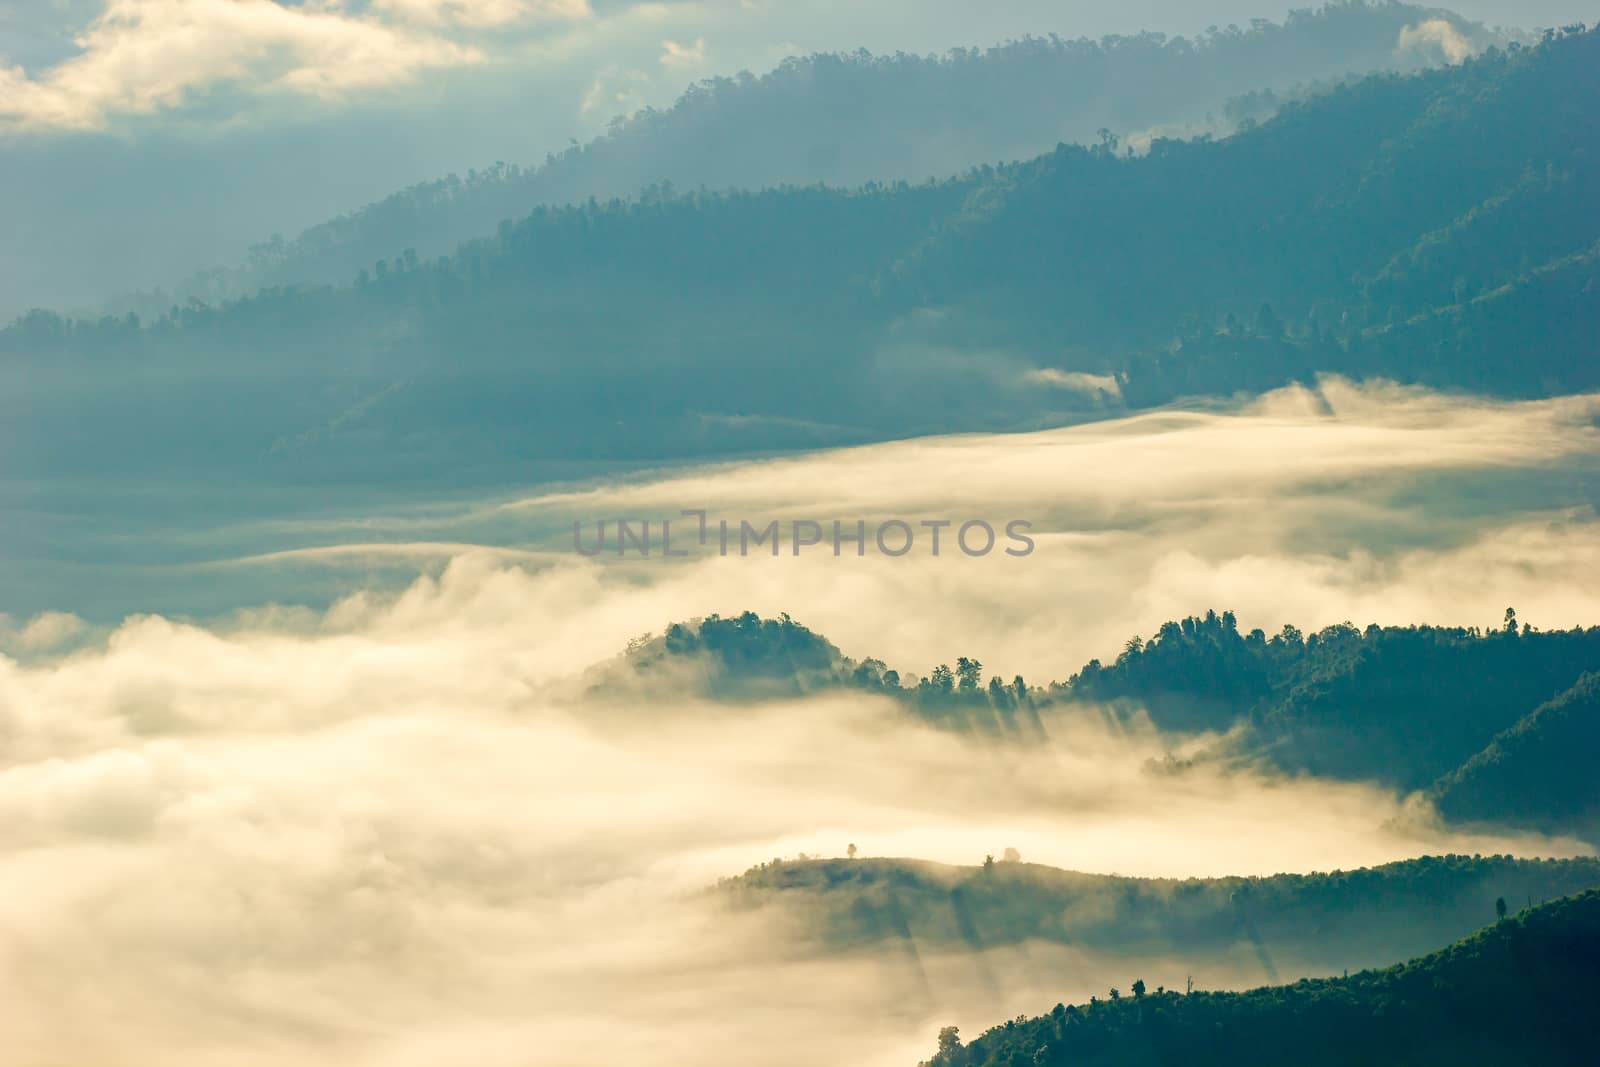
column 844, row 120
column 1436, row 228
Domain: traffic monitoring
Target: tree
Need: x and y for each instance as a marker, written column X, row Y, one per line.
column 1500, row 909
column 988, row 864
column 949, row 1039
column 851, row 851
column 970, row 671
column 1138, row 987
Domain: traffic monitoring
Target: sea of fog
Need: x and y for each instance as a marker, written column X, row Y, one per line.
column 316, row 778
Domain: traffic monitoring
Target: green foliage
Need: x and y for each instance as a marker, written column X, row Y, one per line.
column 747, row 656
column 1519, row 992
column 1401, row 705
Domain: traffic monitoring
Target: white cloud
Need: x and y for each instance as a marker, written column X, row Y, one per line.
column 1436, row 38
column 140, row 56
column 45, row 632
column 483, row 13
column 1073, row 381
column 1363, row 503
column 674, row 54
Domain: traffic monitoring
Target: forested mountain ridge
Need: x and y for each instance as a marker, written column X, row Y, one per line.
column 1401, row 705
column 1437, row 228
column 1413, row 708
column 849, row 119
column 1519, row 992
column 1319, row 923
column 1335, row 232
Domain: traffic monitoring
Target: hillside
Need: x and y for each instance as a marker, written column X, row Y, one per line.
column 1355, row 232
column 741, row 658
column 1540, row 772
column 1519, row 992
column 1290, row 923
column 1401, row 705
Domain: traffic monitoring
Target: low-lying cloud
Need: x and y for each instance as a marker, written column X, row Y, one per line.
column 396, row 830
column 381, row 834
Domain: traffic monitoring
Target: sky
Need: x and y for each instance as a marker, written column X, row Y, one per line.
column 167, row 132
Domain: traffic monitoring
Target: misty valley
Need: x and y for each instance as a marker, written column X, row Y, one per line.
column 908, row 534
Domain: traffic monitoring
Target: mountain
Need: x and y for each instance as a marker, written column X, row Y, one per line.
column 1437, row 228
column 1399, row 705
column 1410, row 707
column 1301, row 924
column 1519, row 992
column 1396, row 226
column 1539, row 772
column 848, row 119
column 741, row 658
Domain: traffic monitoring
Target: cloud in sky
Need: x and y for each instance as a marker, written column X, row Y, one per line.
column 1436, row 36
column 147, row 57
column 481, row 13
column 674, row 54
column 139, row 56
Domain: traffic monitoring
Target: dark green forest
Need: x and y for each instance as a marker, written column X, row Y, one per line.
column 1399, row 705
column 1437, row 228
column 1499, row 725
column 1521, row 991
